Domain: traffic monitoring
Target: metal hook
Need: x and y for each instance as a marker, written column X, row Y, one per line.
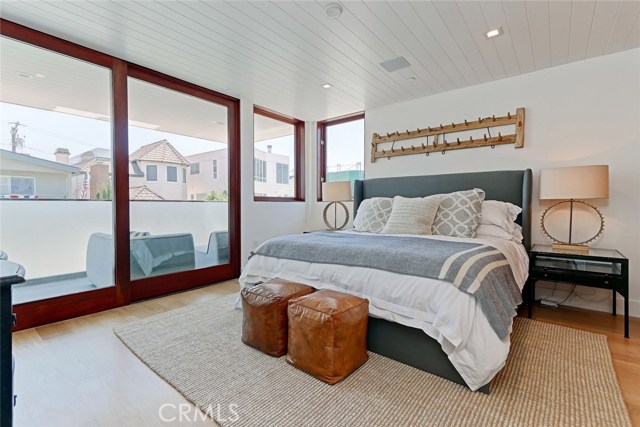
column 493, row 146
column 444, row 151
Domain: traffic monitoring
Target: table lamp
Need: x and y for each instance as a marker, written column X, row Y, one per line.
column 336, row 193
column 568, row 185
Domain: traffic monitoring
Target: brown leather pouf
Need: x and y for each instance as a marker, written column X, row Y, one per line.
column 264, row 309
column 328, row 334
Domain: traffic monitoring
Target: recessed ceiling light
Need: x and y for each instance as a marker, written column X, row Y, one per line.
column 40, row 76
column 327, row 86
column 493, row 33
column 332, row 10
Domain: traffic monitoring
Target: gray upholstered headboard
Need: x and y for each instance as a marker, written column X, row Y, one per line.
column 507, row 186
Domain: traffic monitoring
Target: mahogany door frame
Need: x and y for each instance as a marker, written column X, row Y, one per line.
column 49, row 310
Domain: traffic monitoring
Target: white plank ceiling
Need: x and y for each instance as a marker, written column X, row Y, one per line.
column 278, row 54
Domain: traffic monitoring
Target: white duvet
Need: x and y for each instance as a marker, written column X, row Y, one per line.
column 450, row 316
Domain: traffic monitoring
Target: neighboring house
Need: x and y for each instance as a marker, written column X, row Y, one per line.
column 157, row 171
column 161, row 168
column 272, row 175
column 208, row 172
column 24, row 176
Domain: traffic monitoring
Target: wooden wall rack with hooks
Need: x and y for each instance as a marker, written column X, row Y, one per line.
column 444, row 145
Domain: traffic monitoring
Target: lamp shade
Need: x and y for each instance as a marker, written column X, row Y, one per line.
column 578, row 182
column 336, row 191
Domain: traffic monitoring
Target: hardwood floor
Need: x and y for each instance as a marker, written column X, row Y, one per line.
column 78, row 373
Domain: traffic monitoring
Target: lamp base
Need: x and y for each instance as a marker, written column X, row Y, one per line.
column 335, row 219
column 566, row 247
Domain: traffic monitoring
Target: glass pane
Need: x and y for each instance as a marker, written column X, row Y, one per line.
column 274, row 158
column 55, row 171
column 345, row 151
column 178, row 181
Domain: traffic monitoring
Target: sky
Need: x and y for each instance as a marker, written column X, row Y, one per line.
column 44, row 131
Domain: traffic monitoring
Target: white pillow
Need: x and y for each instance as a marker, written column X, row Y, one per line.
column 502, row 214
column 495, row 231
column 373, row 214
column 459, row 213
column 412, row 215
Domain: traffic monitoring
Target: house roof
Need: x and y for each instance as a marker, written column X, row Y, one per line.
column 160, row 151
column 134, row 169
column 91, row 155
column 19, row 157
column 143, row 193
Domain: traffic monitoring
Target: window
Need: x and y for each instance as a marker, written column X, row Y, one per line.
column 152, row 173
column 172, row 174
column 17, row 185
column 259, row 170
column 282, row 173
column 341, row 150
column 195, row 168
column 215, row 169
column 278, row 157
column 184, row 176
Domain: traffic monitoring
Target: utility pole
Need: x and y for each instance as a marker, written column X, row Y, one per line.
column 15, row 139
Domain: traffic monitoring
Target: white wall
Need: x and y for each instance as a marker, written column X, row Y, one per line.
column 583, row 113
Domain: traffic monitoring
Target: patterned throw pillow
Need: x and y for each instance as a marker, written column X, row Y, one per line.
column 459, row 213
column 373, row 214
column 412, row 215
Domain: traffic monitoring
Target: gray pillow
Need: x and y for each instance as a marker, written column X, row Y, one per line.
column 412, row 215
column 373, row 214
column 459, row 213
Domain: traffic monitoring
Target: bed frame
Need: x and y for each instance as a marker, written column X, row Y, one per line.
column 410, row 345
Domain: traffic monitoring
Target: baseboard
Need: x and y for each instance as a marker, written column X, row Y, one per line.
column 586, row 297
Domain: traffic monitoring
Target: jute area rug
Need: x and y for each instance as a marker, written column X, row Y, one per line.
column 555, row 376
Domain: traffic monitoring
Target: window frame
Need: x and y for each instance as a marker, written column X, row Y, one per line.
column 10, row 183
column 322, row 145
column 194, row 170
column 214, row 168
column 298, row 149
column 173, row 168
column 147, row 174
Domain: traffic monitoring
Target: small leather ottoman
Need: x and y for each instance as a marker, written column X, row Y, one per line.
column 264, row 309
column 328, row 334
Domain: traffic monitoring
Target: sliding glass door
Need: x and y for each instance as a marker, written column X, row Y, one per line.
column 55, row 171
column 178, row 181
column 117, row 183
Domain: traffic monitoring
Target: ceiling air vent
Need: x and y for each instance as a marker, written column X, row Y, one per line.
column 395, row 64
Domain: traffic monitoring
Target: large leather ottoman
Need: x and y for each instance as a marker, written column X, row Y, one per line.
column 264, row 309
column 328, row 334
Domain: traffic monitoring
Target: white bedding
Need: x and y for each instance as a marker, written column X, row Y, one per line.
column 443, row 312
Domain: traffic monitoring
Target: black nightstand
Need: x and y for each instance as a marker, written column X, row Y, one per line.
column 598, row 268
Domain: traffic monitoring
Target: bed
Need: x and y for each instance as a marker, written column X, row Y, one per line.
column 454, row 343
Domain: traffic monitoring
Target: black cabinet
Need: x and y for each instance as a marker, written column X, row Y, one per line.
column 598, row 268
column 10, row 274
